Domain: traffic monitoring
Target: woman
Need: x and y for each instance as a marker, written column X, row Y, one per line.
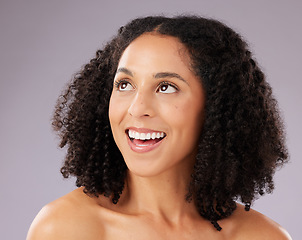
column 166, row 128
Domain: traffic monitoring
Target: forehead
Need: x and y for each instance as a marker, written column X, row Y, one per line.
column 155, row 50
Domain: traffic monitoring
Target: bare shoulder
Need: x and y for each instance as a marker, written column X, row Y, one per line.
column 254, row 225
column 69, row 217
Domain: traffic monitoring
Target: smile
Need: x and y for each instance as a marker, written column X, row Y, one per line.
column 145, row 136
column 144, row 140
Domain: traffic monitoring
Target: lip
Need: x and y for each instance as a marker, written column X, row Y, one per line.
column 143, row 148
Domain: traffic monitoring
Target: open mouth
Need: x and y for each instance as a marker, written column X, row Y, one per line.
column 145, row 139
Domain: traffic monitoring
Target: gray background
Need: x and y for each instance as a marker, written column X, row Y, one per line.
column 44, row 42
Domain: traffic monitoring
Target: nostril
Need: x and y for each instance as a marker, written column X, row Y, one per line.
column 143, row 112
column 141, row 106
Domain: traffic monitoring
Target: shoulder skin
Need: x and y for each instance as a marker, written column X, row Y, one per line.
column 69, row 217
column 252, row 225
column 76, row 216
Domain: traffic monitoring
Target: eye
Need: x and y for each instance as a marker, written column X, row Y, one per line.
column 165, row 87
column 123, row 85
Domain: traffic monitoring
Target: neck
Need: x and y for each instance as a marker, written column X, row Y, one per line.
column 161, row 197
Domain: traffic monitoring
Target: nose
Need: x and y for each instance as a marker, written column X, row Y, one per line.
column 141, row 105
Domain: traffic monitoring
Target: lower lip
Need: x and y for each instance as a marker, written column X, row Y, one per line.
column 144, row 148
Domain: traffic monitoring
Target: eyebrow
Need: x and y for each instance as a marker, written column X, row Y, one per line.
column 124, row 70
column 157, row 75
column 169, row 75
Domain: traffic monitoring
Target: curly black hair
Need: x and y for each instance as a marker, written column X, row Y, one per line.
column 242, row 140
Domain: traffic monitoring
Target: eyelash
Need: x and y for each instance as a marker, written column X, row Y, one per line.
column 119, row 82
column 167, row 83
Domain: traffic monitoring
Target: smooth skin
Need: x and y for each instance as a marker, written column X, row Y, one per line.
column 152, row 205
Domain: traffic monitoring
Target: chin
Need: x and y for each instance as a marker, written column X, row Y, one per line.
column 141, row 168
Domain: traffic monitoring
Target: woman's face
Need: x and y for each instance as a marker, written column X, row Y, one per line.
column 156, row 108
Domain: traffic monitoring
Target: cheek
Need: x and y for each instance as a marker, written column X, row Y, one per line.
column 185, row 113
column 187, row 119
column 115, row 114
column 117, row 109
column 112, row 112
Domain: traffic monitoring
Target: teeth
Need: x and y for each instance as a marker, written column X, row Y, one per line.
column 142, row 136
column 136, row 135
column 153, row 135
column 148, row 136
column 145, row 136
